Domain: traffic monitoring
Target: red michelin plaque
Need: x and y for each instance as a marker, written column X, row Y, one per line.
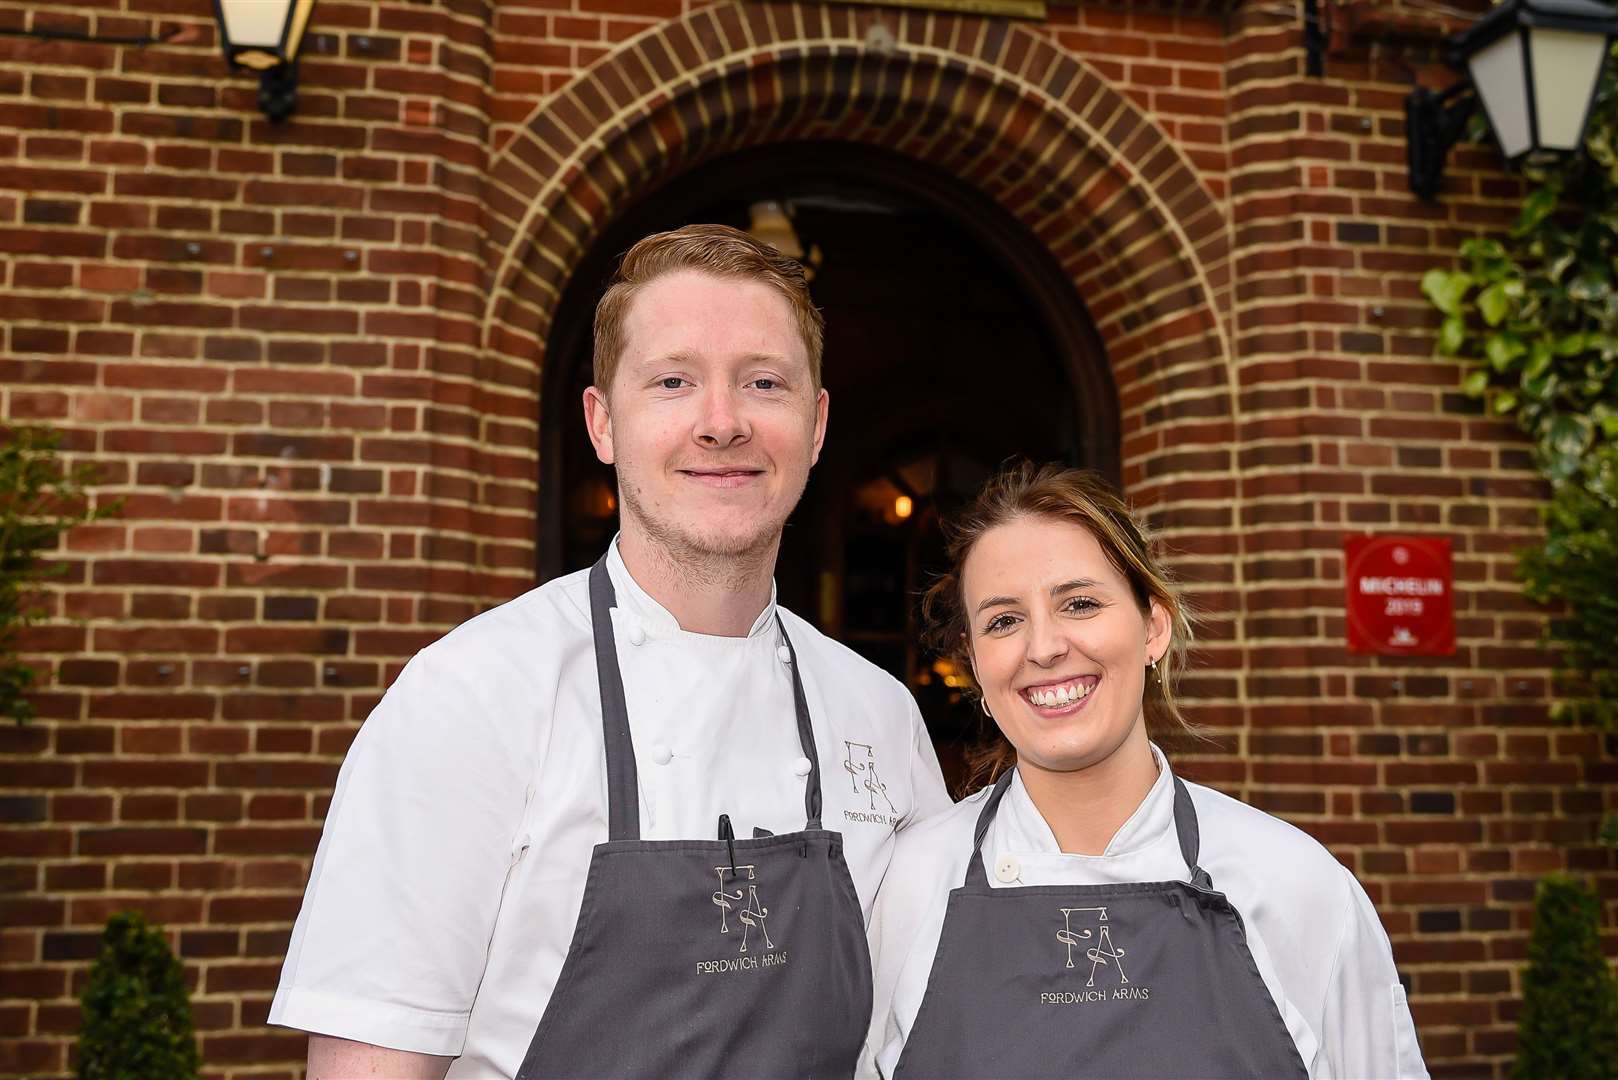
column 1400, row 595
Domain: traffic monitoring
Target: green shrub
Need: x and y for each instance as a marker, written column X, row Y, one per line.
column 1568, row 1029
column 39, row 501
column 137, row 1017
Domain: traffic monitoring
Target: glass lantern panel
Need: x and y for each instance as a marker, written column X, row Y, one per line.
column 255, row 23
column 1497, row 72
column 300, row 22
column 1566, row 65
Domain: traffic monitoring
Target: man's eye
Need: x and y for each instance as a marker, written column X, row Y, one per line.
column 765, row 384
column 672, row 382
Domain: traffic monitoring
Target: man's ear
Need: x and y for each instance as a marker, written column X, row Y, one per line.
column 598, row 422
column 822, row 403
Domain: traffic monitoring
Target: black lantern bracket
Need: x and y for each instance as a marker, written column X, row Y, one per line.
column 278, row 91
column 1434, row 123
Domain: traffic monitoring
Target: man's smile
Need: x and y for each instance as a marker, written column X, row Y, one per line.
column 722, row 478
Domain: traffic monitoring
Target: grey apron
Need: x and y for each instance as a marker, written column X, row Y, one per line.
column 706, row 958
column 1152, row 979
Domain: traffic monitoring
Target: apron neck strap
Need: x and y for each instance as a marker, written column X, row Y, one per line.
column 974, row 865
column 623, row 782
column 1185, row 826
column 806, row 732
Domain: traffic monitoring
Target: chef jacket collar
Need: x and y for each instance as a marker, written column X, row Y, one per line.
column 1028, row 831
column 656, row 619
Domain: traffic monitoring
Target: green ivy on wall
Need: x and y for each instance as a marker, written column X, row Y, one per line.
column 1535, row 316
column 39, row 501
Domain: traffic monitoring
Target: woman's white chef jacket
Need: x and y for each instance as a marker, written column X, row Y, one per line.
column 452, row 865
column 1312, row 930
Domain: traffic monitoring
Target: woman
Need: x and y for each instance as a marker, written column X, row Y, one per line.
column 1090, row 914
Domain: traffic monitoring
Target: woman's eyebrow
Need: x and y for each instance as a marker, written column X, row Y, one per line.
column 1076, row 585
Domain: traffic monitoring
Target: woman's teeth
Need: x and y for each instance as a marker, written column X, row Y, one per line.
column 1050, row 697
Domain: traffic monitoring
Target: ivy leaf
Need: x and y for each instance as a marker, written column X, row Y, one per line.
column 1607, row 419
column 1555, row 268
column 1446, row 289
column 1540, row 357
column 1539, row 381
column 1536, row 209
column 1570, row 435
column 1572, row 344
column 1599, row 143
column 1502, row 349
column 1475, row 383
column 1541, row 388
column 1590, row 286
column 1493, row 303
column 1452, row 335
column 1505, row 403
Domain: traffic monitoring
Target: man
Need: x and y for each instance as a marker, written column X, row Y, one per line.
column 521, row 872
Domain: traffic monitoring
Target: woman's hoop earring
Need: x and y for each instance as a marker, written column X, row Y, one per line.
column 1156, row 672
column 983, row 703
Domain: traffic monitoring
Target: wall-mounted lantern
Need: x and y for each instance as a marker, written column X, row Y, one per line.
column 264, row 36
column 1534, row 64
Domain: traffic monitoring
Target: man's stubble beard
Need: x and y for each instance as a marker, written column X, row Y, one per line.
column 706, row 562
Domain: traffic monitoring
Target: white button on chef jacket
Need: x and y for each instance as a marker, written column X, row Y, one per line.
column 1314, row 935
column 452, row 865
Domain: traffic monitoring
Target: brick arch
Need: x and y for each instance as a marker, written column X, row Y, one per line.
column 991, row 102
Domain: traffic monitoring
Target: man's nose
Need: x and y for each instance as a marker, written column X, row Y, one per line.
column 721, row 422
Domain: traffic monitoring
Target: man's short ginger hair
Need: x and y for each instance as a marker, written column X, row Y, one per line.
column 718, row 250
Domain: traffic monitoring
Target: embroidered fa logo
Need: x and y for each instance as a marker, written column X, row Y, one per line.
column 751, row 914
column 1103, row 953
column 859, row 762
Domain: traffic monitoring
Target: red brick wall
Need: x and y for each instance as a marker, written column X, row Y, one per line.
column 307, row 358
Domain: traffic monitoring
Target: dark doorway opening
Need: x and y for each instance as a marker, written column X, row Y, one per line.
column 953, row 342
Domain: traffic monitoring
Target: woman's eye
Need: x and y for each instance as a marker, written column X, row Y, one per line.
column 998, row 623
column 1078, row 605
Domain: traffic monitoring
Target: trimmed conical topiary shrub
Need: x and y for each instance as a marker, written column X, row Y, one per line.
column 137, row 1016
column 1568, row 1029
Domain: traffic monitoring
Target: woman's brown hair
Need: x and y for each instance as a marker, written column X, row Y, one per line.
column 1081, row 498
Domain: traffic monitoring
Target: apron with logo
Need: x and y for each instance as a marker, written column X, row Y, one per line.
column 1150, row 979
column 706, row 958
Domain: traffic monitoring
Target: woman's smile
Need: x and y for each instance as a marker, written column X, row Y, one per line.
column 1062, row 697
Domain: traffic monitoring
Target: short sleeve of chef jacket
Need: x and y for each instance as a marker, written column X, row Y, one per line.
column 391, row 942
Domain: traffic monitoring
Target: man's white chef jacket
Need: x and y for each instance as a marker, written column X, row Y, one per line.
column 452, row 865
column 1312, row 931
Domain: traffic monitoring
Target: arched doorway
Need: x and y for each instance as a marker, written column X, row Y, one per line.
column 954, row 341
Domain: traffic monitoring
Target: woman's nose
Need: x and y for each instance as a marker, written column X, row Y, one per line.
column 1046, row 642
